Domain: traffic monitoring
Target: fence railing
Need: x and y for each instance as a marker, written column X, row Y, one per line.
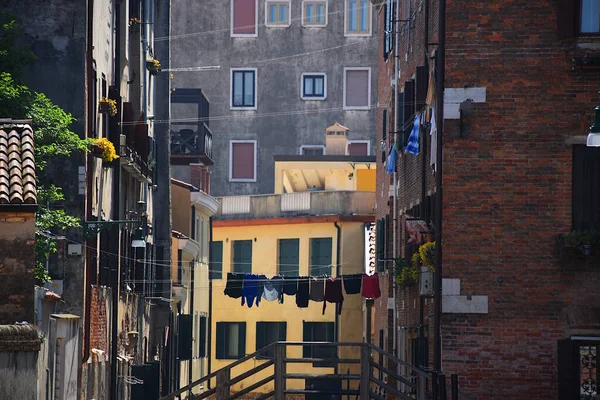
column 363, row 375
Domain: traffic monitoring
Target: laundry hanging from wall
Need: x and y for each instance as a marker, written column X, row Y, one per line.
column 253, row 288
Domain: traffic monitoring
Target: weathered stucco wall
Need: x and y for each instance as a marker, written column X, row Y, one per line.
column 19, row 347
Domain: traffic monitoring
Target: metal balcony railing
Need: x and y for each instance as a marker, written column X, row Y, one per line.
column 188, row 145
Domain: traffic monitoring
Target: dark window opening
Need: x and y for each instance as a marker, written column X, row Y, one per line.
column 267, row 333
column 318, row 332
column 231, row 340
column 242, row 87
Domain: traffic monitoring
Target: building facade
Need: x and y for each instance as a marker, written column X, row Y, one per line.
column 518, row 318
column 275, row 73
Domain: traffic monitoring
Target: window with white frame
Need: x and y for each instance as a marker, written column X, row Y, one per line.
column 314, row 13
column 312, row 150
column 242, row 160
column 357, row 88
column 243, row 88
column 244, row 18
column 359, row 147
column 358, row 17
column 277, row 13
column 314, row 86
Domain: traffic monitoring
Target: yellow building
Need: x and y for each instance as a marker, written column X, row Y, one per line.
column 314, row 224
column 191, row 213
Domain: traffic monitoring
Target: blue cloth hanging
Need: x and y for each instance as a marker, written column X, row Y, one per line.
column 391, row 162
column 413, row 140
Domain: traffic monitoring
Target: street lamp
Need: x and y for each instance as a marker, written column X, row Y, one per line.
column 593, row 139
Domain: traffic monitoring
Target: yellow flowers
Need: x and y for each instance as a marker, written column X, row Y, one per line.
column 108, row 106
column 407, row 274
column 153, row 65
column 104, row 149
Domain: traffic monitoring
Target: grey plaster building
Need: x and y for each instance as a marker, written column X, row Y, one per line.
column 276, row 74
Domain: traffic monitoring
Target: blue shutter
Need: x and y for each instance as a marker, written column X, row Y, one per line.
column 216, row 260
column 220, row 339
column 289, row 257
column 184, row 336
column 202, row 349
column 242, row 340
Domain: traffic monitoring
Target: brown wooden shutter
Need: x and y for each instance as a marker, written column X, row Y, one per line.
column 358, row 149
column 242, row 161
column 566, row 18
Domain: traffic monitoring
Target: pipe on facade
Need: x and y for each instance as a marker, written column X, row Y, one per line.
column 338, row 255
column 210, row 301
column 395, row 201
column 116, row 195
column 439, row 111
column 87, row 279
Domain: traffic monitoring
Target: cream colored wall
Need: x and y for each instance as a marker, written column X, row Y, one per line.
column 264, row 261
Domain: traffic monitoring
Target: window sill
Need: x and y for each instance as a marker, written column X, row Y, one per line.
column 234, row 108
column 243, row 180
column 277, row 25
column 313, row 98
column 359, row 108
column 244, row 35
column 314, row 25
column 362, row 34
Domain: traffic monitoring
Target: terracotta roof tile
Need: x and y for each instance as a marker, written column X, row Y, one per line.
column 17, row 164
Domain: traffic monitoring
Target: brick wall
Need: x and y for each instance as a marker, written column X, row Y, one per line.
column 507, row 194
column 98, row 319
column 17, row 261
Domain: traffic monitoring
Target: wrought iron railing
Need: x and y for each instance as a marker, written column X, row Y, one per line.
column 365, row 360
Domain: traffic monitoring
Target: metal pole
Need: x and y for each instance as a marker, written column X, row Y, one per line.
column 442, row 387
column 454, row 386
column 441, row 60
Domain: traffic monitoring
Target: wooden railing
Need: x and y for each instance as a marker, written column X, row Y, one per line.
column 414, row 384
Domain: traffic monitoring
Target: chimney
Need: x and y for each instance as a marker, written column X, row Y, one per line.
column 200, row 177
column 336, row 140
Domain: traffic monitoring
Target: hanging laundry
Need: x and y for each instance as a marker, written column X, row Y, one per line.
column 250, row 290
column 433, row 133
column 290, row 285
column 317, row 289
column 233, row 287
column 278, row 284
column 352, row 283
column 391, row 162
column 302, row 295
column 270, row 292
column 413, row 140
column 370, row 286
column 333, row 294
column 261, row 288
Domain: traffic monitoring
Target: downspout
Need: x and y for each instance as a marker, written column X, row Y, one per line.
column 192, row 289
column 210, row 302
column 338, row 255
column 88, row 204
column 395, row 202
column 439, row 111
column 116, row 214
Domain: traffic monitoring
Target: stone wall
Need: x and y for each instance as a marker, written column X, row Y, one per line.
column 19, row 347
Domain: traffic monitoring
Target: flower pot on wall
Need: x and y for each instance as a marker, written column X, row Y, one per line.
column 104, row 107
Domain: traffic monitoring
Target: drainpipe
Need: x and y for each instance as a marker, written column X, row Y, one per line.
column 395, row 202
column 210, row 302
column 439, row 111
column 90, row 246
column 117, row 211
column 338, row 256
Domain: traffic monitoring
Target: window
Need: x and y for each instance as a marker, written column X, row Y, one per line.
column 289, row 257
column 358, row 17
column 243, row 89
column 359, row 147
column 196, row 332
column 357, row 88
column 590, row 16
column 242, row 161
column 216, row 260
column 231, row 340
column 312, row 150
column 314, row 86
column 314, row 13
column 318, row 332
column 388, row 18
column 320, row 256
column 242, row 256
column 184, row 332
column 586, row 188
column 384, row 134
column 203, row 336
column 277, row 13
column 244, row 18
column 267, row 333
column 578, row 367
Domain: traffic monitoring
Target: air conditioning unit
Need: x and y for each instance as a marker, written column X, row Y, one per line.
column 122, row 145
column 74, row 249
column 425, row 282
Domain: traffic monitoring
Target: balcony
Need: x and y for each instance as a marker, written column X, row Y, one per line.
column 298, row 204
column 136, row 147
column 189, row 146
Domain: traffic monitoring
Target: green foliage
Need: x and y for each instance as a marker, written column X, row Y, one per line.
column 580, row 238
column 13, row 55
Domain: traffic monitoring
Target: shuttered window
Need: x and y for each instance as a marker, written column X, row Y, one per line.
column 318, row 332
column 231, row 340
column 358, row 149
column 380, row 244
column 243, row 18
column 357, row 88
column 578, row 369
column 242, row 256
column 408, row 110
column 269, row 332
column 384, row 134
column 320, row 256
column 203, row 336
column 289, row 257
column 388, row 38
column 185, row 336
column 216, row 260
column 586, row 187
column 422, row 87
column 242, row 161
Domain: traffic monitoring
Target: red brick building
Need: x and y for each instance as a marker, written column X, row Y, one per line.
column 521, row 314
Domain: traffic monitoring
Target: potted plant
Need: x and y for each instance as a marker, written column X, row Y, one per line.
column 104, row 149
column 583, row 240
column 107, row 106
column 153, row 65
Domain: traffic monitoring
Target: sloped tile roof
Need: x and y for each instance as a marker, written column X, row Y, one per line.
column 17, row 163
